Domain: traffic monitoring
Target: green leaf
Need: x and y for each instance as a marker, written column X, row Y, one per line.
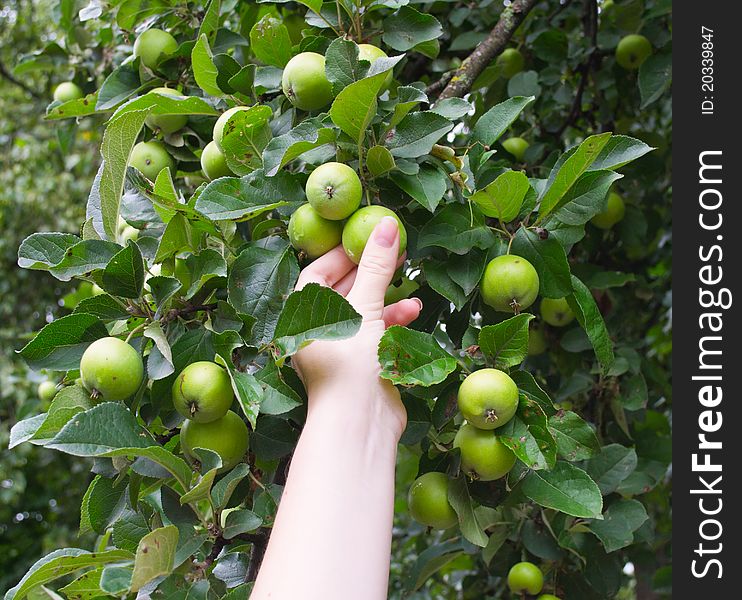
column 24, row 430
column 246, row 134
column 620, row 520
column 427, row 186
column 118, row 140
column 492, row 124
column 204, row 69
column 471, row 528
column 61, row 343
column 306, row 136
column 80, row 107
column 548, row 258
column 619, row 151
column 586, row 198
column 259, row 281
column 575, row 439
column 570, row 171
column 528, row 387
column 124, row 273
column 104, row 502
column 121, row 85
column 411, row 357
column 171, row 103
column 61, row 563
column 379, row 160
column 155, row 556
column 225, row 487
column 565, row 488
column 407, row 28
column 313, row 313
column 342, row 65
column 210, row 21
column 84, row 258
column 430, row 561
column 230, row 198
column 458, row 229
column 440, row 280
column 201, row 490
column 588, row 315
column 85, row 587
column 506, row 343
column 270, row 41
column 241, row 521
column 116, row 579
column 527, row 435
column 417, row 133
column 69, row 401
column 277, row 396
column 609, row 468
column 503, row 198
column 354, row 108
column 44, row 250
column 655, row 76
column 104, row 307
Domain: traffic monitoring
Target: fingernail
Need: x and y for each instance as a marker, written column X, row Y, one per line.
column 419, row 302
column 386, row 232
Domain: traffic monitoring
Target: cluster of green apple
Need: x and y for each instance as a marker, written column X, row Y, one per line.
column 111, row 370
column 526, row 578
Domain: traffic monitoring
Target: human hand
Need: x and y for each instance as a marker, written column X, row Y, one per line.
column 343, row 376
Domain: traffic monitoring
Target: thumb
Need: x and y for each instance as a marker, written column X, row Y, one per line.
column 376, row 269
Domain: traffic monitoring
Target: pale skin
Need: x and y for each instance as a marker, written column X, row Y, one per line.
column 332, row 535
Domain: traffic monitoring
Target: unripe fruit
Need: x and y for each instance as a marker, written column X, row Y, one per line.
column 305, row 83
column 488, row 398
column 517, row 146
column 510, row 283
column 483, row 455
column 221, row 122
column 152, row 44
column 334, row 191
column 536, row 341
column 547, row 597
column 150, row 158
column 511, row 62
column 213, row 162
column 613, row 213
column 371, row 53
column 428, row 501
column 313, row 234
column 128, row 233
column 203, row 392
column 632, row 51
column 525, row 577
column 66, row 91
column 360, row 226
column 111, row 369
column 227, row 436
column 46, row 391
column 556, row 311
column 167, row 124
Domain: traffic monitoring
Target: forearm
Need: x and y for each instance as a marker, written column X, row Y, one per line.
column 332, row 535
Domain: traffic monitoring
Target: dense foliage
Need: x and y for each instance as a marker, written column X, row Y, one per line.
column 489, row 130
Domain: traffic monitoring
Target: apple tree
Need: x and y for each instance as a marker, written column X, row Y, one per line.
column 523, row 148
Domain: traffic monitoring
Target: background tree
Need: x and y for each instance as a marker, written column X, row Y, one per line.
column 487, row 129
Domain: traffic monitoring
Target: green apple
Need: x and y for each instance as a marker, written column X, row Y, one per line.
column 525, row 577
column 556, row 311
column 66, row 91
column 361, row 224
column 46, row 391
column 632, row 51
column 128, row 233
column 227, row 436
column 510, row 283
column 511, row 62
column 221, row 122
column 152, row 44
column 536, row 341
column 614, row 212
column 313, row 234
column 111, row 369
column 150, row 158
column 428, row 502
column 166, row 124
column 483, row 455
column 517, row 146
column 547, row 597
column 334, row 191
column 203, row 392
column 305, row 83
column 213, row 162
column 488, row 398
column 371, row 53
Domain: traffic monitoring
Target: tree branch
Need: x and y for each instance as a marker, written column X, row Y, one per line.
column 7, row 75
column 510, row 19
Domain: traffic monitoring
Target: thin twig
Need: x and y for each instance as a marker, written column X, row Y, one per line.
column 8, row 76
column 510, row 19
